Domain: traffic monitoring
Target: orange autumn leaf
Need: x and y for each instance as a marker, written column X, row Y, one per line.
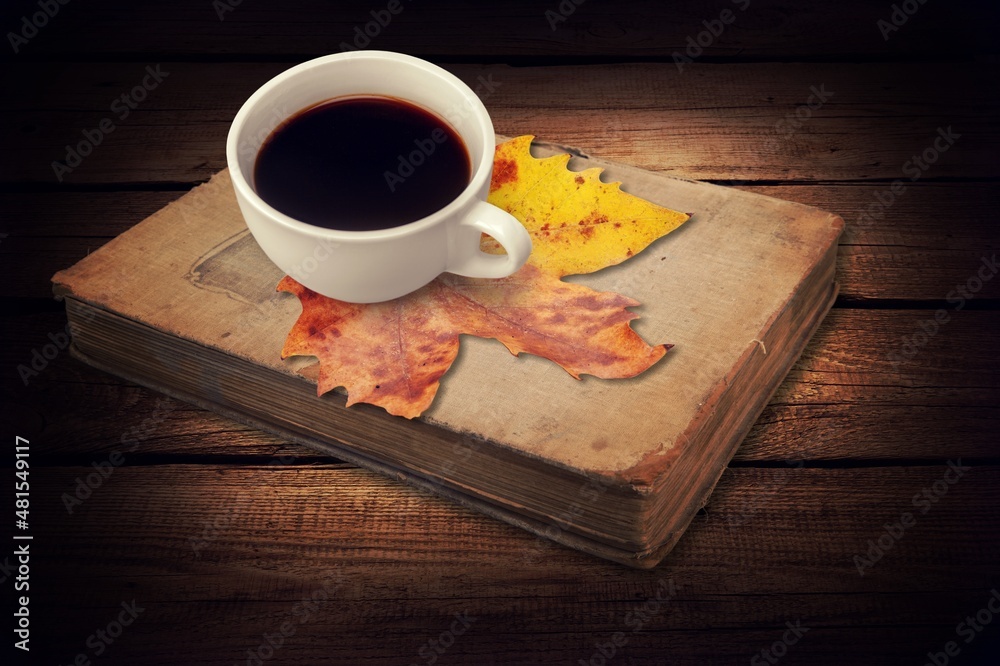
column 394, row 354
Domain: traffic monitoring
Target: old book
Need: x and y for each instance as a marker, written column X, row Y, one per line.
column 185, row 303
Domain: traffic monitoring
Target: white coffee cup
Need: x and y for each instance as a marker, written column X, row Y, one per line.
column 373, row 266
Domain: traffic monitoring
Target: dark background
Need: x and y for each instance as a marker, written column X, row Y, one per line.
column 219, row 531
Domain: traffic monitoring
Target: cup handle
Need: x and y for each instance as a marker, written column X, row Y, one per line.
column 468, row 260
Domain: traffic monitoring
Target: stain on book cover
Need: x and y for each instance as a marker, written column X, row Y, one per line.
column 222, row 270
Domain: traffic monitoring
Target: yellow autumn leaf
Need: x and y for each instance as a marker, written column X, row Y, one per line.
column 577, row 223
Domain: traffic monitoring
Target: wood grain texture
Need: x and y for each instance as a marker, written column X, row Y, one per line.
column 205, row 549
column 709, row 122
column 410, row 561
column 844, row 399
column 517, row 29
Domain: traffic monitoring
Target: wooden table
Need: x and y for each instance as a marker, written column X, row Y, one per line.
column 883, row 436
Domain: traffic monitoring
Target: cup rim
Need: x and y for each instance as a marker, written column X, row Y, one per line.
column 480, row 171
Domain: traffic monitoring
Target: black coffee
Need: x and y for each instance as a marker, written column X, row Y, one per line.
column 362, row 163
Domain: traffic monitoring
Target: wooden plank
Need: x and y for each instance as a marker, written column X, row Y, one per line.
column 878, row 118
column 202, row 548
column 92, row 215
column 830, row 432
column 835, row 405
column 929, row 241
column 517, row 29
